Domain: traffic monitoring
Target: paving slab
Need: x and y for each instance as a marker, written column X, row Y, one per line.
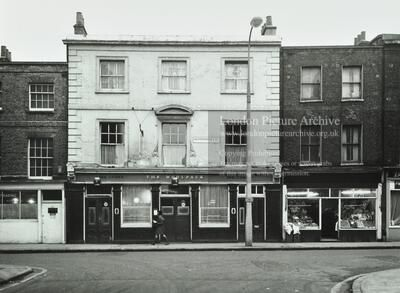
column 9, row 272
column 31, row 248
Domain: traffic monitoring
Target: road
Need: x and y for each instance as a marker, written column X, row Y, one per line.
column 201, row 271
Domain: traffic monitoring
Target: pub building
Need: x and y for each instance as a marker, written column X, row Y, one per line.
column 157, row 123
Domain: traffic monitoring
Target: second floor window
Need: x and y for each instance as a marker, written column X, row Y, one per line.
column 174, row 144
column 351, row 144
column 235, row 76
column 310, row 144
column 40, row 157
column 112, row 147
column 174, row 76
column 41, row 97
column 112, row 75
column 351, row 82
column 235, row 144
column 310, row 84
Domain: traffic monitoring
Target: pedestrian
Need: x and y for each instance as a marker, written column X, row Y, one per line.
column 159, row 233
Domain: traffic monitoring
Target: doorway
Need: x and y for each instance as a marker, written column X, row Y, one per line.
column 98, row 219
column 258, row 218
column 329, row 219
column 176, row 211
column 52, row 216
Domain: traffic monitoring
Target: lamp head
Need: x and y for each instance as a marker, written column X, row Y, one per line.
column 256, row 21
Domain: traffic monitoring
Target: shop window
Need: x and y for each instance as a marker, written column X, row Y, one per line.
column 235, row 143
column 136, row 206
column 395, row 208
column 112, row 75
column 235, row 76
column 40, row 157
column 174, row 76
column 41, row 97
column 112, row 144
column 304, row 213
column 351, row 144
column 18, row 204
column 311, row 84
column 174, row 144
column 214, row 206
column 256, row 189
column 310, row 140
column 357, row 213
column 351, row 83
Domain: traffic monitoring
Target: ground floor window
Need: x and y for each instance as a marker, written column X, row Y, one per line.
column 214, row 206
column 18, row 204
column 395, row 208
column 357, row 213
column 304, row 213
column 136, row 206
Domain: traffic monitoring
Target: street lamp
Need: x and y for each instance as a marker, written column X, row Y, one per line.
column 255, row 22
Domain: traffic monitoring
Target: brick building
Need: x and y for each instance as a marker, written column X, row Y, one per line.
column 33, row 138
column 332, row 140
column 158, row 123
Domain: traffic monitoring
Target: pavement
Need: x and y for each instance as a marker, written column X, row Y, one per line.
column 9, row 272
column 32, row 248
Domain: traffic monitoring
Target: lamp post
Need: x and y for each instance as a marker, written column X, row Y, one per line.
column 255, row 22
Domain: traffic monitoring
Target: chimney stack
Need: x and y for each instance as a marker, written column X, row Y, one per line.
column 79, row 27
column 360, row 39
column 268, row 29
column 5, row 54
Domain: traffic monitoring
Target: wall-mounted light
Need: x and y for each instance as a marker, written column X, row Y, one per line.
column 174, row 181
column 97, row 181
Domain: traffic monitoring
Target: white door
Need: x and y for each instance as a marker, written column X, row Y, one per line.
column 52, row 222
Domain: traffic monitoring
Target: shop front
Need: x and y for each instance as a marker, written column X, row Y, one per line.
column 393, row 204
column 32, row 212
column 329, row 212
column 206, row 206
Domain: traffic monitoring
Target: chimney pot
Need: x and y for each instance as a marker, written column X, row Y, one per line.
column 79, row 27
column 269, row 20
column 5, row 54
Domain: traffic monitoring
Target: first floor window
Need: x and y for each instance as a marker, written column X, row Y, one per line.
column 18, row 204
column 304, row 213
column 310, row 149
column 41, row 96
column 174, row 76
column 136, row 206
column 174, row 144
column 112, row 75
column 310, row 84
column 235, row 144
column 40, row 157
column 235, row 75
column 112, row 143
column 214, row 206
column 395, row 208
column 357, row 213
column 351, row 143
column 351, row 82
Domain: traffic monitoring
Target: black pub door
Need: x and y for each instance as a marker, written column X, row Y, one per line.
column 98, row 219
column 258, row 218
column 176, row 211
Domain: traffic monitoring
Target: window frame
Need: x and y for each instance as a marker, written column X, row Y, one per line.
column 161, row 149
column 361, row 98
column 98, row 146
column 389, row 212
column 47, row 93
column 19, row 191
column 100, row 90
column 310, row 163
column 215, row 225
column 250, row 68
column 360, row 144
column 136, row 225
column 233, row 144
column 302, row 100
column 187, row 89
column 29, row 160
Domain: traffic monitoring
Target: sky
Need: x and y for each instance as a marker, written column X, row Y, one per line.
column 33, row 29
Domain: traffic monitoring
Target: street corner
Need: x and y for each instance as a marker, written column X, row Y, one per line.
column 383, row 281
column 10, row 272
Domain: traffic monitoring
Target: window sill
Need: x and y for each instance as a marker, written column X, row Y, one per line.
column 136, row 225
column 311, row 101
column 351, row 164
column 40, row 178
column 18, row 220
column 310, row 164
column 214, row 226
column 41, row 110
column 111, row 92
column 235, row 93
column 173, row 92
column 352, row 100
